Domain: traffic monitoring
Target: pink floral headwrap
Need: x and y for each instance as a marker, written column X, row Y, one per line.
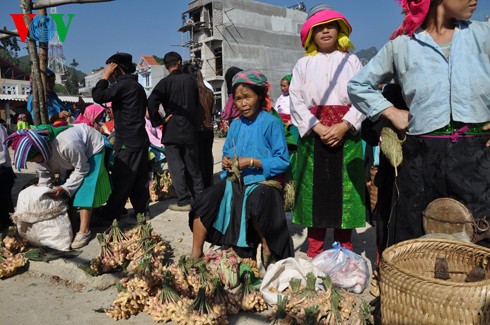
column 415, row 13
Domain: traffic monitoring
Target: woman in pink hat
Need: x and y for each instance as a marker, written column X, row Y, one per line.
column 329, row 172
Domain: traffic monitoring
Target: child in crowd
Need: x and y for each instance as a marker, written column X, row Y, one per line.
column 329, row 168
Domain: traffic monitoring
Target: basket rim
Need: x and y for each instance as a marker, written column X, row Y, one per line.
column 429, row 279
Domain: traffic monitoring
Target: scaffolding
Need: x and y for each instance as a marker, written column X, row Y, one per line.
column 56, row 58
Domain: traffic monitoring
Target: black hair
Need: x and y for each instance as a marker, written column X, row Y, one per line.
column 230, row 73
column 191, row 69
column 171, row 58
column 259, row 91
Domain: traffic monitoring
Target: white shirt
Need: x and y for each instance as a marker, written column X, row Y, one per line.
column 322, row 80
column 282, row 105
column 208, row 85
column 71, row 150
column 5, row 160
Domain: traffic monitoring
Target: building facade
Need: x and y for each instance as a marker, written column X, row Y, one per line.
column 90, row 82
column 245, row 34
column 14, row 90
column 150, row 72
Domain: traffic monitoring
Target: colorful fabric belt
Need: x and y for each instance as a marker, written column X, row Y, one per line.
column 329, row 115
column 457, row 130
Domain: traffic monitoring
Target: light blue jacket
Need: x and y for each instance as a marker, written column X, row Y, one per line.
column 55, row 105
column 262, row 138
column 436, row 90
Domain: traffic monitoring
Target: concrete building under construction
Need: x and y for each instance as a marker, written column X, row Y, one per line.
column 245, row 34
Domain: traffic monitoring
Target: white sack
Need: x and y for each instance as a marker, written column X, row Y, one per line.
column 42, row 220
column 280, row 273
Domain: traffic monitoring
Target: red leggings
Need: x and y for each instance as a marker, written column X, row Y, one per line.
column 316, row 239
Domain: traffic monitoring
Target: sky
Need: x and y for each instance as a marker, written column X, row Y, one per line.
column 149, row 27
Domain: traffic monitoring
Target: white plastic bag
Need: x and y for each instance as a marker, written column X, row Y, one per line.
column 347, row 269
column 42, row 220
column 280, row 273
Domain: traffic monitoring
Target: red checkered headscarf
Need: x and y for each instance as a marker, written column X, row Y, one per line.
column 257, row 78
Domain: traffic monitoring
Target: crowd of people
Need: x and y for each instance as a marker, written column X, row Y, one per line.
column 428, row 84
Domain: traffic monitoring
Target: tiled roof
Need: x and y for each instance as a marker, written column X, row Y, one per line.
column 150, row 60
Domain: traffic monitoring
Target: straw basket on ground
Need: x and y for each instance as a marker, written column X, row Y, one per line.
column 411, row 295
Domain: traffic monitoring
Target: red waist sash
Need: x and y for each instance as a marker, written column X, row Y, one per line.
column 329, row 115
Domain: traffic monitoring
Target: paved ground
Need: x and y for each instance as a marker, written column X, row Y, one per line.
column 60, row 293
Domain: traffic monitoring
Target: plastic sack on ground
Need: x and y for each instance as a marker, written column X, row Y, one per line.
column 278, row 275
column 42, row 220
column 347, row 269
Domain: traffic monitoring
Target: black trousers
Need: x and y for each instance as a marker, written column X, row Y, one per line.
column 205, row 145
column 183, row 160
column 7, row 178
column 129, row 180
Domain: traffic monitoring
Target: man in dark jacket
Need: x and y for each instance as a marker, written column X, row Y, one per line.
column 130, row 169
column 179, row 97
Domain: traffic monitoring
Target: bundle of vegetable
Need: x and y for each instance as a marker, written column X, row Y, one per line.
column 252, row 264
column 140, row 249
column 154, row 188
column 180, row 278
column 221, row 297
column 10, row 264
column 104, row 262
column 117, row 242
column 139, row 239
column 128, row 302
column 252, row 299
column 165, row 182
column 279, row 315
column 11, row 242
column 225, row 264
column 197, row 277
column 346, row 308
column 311, row 315
column 200, row 312
column 11, row 258
column 167, row 305
column 309, row 297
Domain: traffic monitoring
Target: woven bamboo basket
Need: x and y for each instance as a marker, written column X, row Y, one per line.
column 411, row 295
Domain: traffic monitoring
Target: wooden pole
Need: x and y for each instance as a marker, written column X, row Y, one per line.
column 40, row 4
column 43, row 58
column 38, row 94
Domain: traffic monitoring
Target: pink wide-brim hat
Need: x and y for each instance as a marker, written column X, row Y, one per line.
column 320, row 18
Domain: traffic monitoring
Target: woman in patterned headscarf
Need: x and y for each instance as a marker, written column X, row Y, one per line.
column 77, row 151
column 246, row 209
column 329, row 167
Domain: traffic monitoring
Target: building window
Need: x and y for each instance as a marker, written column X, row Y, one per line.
column 9, row 90
column 218, row 60
column 147, row 80
column 26, row 90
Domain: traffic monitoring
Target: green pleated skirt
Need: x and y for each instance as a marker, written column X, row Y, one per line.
column 96, row 187
column 330, row 184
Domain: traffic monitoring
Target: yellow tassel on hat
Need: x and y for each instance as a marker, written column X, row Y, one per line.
column 344, row 43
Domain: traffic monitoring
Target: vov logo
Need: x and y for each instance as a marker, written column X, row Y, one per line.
column 42, row 28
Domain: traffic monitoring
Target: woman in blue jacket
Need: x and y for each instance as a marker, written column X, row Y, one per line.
column 441, row 60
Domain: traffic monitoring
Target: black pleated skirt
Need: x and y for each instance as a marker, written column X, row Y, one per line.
column 264, row 203
column 435, row 168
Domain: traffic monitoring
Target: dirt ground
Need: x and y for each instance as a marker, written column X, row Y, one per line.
column 60, row 293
